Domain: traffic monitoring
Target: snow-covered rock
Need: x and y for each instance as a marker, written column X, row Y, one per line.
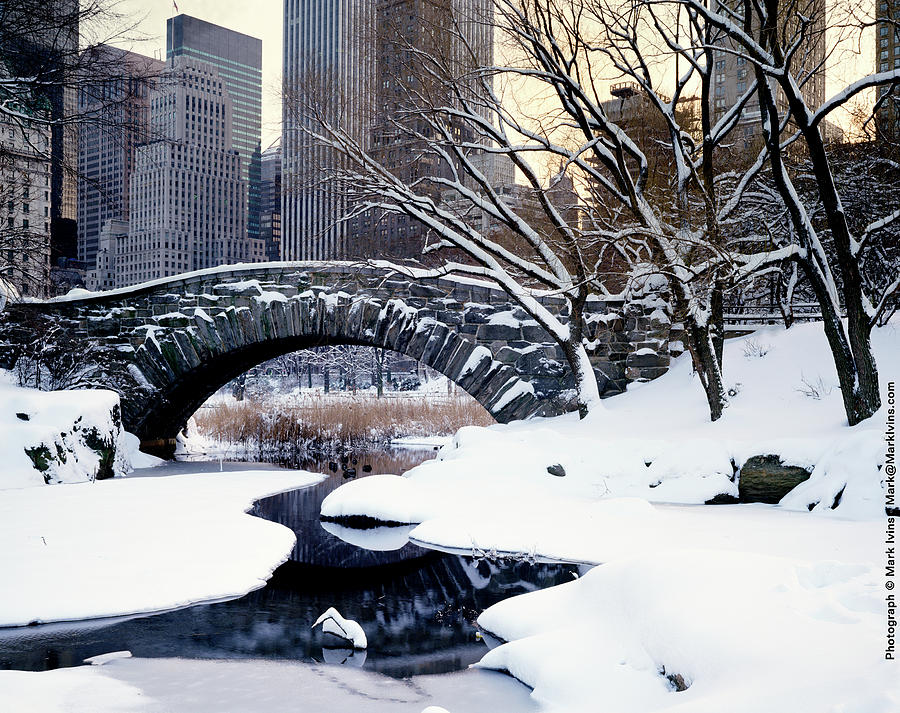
column 345, row 629
column 60, row 436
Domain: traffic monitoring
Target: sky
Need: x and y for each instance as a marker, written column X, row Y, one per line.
column 257, row 18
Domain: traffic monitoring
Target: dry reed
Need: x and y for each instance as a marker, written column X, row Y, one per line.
column 327, row 423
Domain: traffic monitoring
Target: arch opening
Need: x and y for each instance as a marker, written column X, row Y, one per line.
column 309, row 407
column 159, row 422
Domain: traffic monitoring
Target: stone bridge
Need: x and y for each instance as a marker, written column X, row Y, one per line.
column 167, row 345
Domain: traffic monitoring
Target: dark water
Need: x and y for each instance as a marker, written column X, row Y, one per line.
column 416, row 607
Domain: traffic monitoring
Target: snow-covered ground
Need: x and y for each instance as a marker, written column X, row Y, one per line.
column 131, row 545
column 742, row 632
column 126, row 685
column 656, row 441
column 751, row 607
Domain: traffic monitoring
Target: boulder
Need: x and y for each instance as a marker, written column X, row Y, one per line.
column 763, row 479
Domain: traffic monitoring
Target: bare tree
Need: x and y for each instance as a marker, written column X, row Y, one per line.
column 773, row 37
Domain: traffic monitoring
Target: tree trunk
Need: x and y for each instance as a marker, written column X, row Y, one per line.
column 240, row 387
column 707, row 365
column 717, row 322
column 863, row 398
column 586, row 389
column 379, row 372
column 859, row 392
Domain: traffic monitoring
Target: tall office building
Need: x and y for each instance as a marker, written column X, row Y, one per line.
column 63, row 99
column 733, row 74
column 339, row 44
column 448, row 30
column 188, row 197
column 117, row 111
column 887, row 59
column 25, row 170
column 328, row 60
column 238, row 60
column 40, row 43
column 270, row 203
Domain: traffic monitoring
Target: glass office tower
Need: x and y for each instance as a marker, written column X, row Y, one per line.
column 238, row 59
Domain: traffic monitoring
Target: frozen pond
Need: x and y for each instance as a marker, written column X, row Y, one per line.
column 417, row 607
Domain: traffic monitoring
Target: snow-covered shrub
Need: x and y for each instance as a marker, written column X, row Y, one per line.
column 814, row 389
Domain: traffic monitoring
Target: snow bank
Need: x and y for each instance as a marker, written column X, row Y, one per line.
column 68, row 690
column 136, row 545
column 59, row 436
column 701, row 632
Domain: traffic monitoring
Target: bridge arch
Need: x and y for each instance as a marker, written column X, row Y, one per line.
column 194, row 356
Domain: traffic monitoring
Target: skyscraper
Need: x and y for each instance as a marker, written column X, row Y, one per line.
column 238, row 60
column 358, row 63
column 188, row 197
column 887, row 59
column 407, row 30
column 328, row 58
column 117, row 111
column 25, row 203
column 270, row 203
column 733, row 74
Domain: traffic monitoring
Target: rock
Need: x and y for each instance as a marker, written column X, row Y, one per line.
column 557, row 470
column 367, row 468
column 722, row 499
column 498, row 332
column 23, row 417
column 763, row 479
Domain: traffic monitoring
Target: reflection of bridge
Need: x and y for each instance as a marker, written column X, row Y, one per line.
column 167, row 345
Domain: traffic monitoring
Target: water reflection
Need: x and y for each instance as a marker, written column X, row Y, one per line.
column 418, row 618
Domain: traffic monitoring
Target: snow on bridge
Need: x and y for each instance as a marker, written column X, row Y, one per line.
column 167, row 345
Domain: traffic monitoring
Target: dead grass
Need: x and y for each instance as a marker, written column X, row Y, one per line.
column 322, row 422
